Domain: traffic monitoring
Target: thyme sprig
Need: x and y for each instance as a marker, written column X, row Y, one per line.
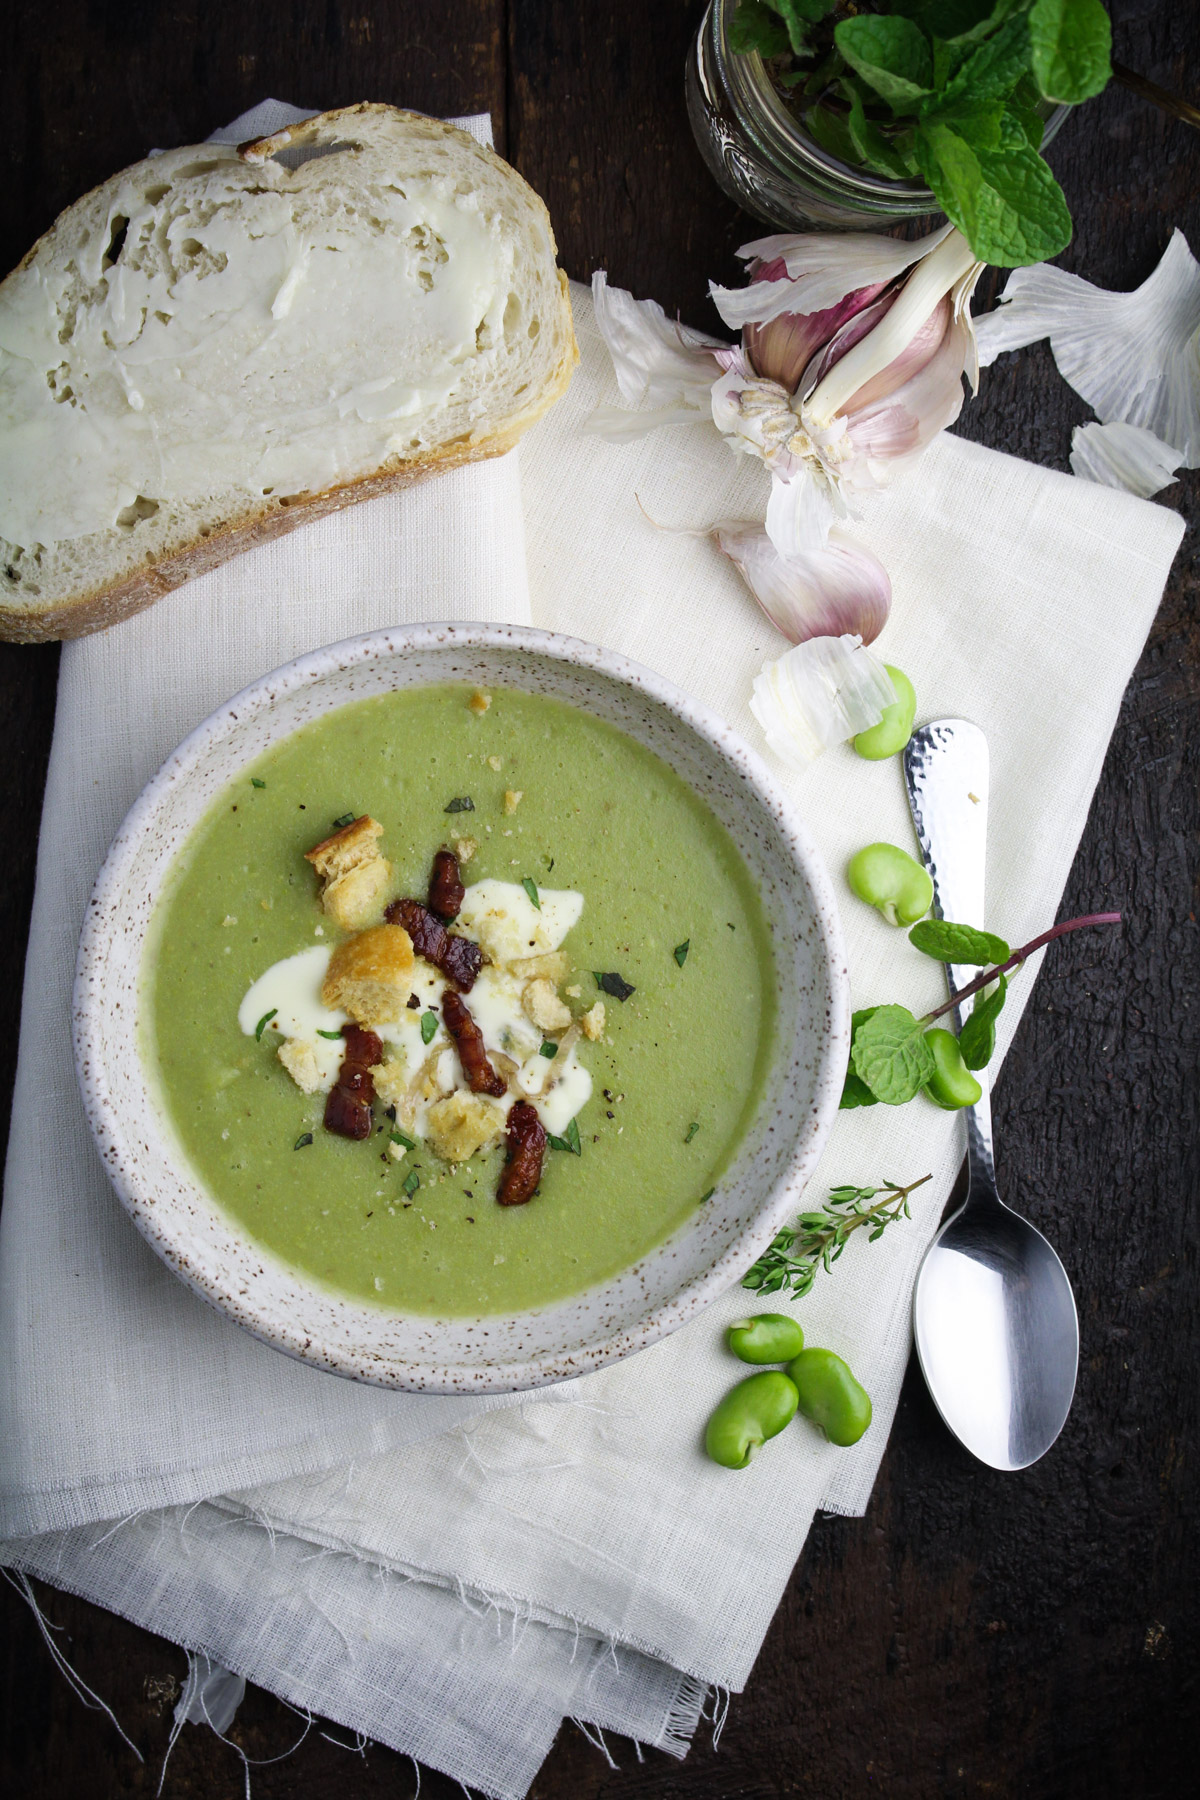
column 817, row 1239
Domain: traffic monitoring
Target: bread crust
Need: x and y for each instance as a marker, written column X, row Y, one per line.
column 109, row 602
column 370, row 975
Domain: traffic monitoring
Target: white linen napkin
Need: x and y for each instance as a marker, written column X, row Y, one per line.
column 450, row 1583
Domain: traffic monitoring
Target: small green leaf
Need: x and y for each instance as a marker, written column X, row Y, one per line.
column 463, row 803
column 977, row 1039
column 612, row 983
column 398, row 1137
column 832, row 132
column 1022, row 110
column 303, row 1141
column 709, row 1196
column 346, row 819
column 890, row 53
column 530, row 886
column 328, row 1034
column 549, row 1050
column 680, row 952
column 950, row 943
column 991, row 72
column 755, row 26
column 572, row 1134
column 873, row 148
column 256, row 781
column 429, row 1024
column 263, row 1023
column 890, row 1054
column 1071, row 44
column 855, row 1092
column 1006, row 202
column 692, row 1129
column 557, row 1143
column 412, row 1182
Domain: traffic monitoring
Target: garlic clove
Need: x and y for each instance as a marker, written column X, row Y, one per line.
column 782, row 349
column 821, row 270
column 826, row 590
column 884, row 435
column 820, row 693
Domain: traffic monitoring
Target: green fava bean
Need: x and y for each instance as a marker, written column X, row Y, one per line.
column 890, row 880
column 766, row 1338
column 895, row 728
column 753, row 1411
column 829, row 1395
column 952, row 1084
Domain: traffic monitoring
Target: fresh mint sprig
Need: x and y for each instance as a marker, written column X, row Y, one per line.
column 944, row 91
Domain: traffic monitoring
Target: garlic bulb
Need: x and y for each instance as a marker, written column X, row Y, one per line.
column 820, row 693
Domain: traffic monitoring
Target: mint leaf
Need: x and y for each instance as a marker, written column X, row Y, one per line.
column 891, row 1056
column 1023, row 110
column 1071, row 43
column 977, row 1039
column 832, row 132
column 755, row 26
column 992, row 71
column 873, row 148
column 855, row 1091
column 979, row 122
column 796, row 14
column 957, row 943
column 890, row 53
column 1005, row 201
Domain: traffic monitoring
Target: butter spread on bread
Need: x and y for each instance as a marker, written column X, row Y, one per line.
column 220, row 343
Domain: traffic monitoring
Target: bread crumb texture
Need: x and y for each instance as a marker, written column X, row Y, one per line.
column 221, row 342
column 543, row 1006
column 370, row 975
column 299, row 1058
column 461, row 1124
column 354, row 875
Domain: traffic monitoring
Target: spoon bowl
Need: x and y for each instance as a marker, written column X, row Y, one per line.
column 997, row 1333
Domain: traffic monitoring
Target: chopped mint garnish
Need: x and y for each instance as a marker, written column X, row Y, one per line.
column 263, row 1023
column 463, row 803
column 256, row 782
column 328, row 1034
column 692, row 1129
column 680, row 951
column 429, row 1025
column 707, row 1196
column 568, row 1142
column 398, row 1137
column 549, row 1050
column 341, row 824
column 303, row 1141
column 613, row 984
column 412, row 1182
column 530, row 886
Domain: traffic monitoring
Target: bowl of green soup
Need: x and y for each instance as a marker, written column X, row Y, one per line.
column 461, row 1008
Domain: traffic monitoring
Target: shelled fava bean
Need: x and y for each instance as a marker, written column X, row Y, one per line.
column 895, row 728
column 952, row 1085
column 892, row 881
column 816, row 1383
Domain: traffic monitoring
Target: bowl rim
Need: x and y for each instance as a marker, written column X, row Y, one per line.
column 698, row 1291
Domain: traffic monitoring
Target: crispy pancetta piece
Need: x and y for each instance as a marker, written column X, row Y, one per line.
column 446, row 891
column 526, row 1148
column 468, row 1039
column 348, row 1106
column 458, row 958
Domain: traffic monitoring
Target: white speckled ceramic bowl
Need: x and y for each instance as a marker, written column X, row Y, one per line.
column 496, row 1353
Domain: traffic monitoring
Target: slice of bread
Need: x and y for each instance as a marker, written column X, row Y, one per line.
column 221, row 343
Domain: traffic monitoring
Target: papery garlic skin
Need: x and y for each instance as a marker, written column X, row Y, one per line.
column 819, row 694
column 835, row 589
column 821, row 270
column 654, row 360
column 1135, row 358
column 1123, row 456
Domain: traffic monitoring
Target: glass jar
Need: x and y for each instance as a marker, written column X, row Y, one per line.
column 759, row 153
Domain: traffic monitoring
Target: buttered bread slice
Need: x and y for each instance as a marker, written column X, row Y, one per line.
column 222, row 342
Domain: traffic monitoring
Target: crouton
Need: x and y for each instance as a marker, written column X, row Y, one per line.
column 354, row 876
column 593, row 1022
column 299, row 1058
column 512, row 799
column 465, row 848
column 543, row 1006
column 479, row 701
column 390, row 1080
column 370, row 975
column 461, row 1124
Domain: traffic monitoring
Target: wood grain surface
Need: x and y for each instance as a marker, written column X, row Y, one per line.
column 1031, row 1635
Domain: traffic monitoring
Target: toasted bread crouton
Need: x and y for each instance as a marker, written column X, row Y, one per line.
column 593, row 1021
column 299, row 1058
column 543, row 1006
column 552, row 966
column 391, row 1083
column 479, row 701
column 461, row 1124
column 465, row 848
column 512, row 799
column 370, row 975
column 354, row 875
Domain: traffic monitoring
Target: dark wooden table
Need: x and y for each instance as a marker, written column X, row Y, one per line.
column 1030, row 1635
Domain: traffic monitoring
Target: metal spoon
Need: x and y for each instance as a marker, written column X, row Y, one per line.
column 994, row 1316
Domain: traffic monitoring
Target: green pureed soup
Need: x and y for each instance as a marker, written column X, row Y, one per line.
column 676, row 1073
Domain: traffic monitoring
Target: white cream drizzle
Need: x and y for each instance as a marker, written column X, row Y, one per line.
column 290, row 990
